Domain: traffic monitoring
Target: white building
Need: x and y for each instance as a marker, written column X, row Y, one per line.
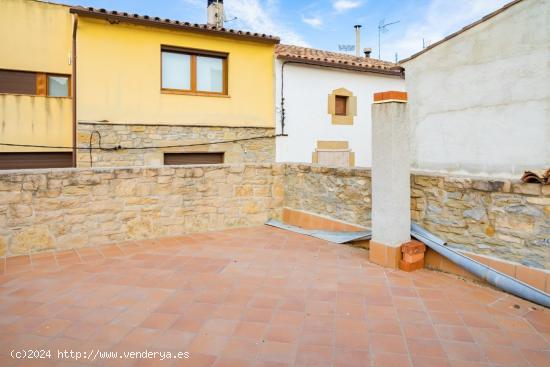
column 480, row 99
column 326, row 110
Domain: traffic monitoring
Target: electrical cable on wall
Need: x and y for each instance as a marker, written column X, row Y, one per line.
column 91, row 148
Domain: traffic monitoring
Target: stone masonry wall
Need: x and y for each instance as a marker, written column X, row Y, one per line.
column 339, row 193
column 70, row 208
column 129, row 135
column 67, row 208
column 505, row 219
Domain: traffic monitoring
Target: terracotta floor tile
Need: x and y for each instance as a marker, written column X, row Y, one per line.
column 208, row 344
column 425, row 348
column 454, row 333
column 142, row 337
column 419, row 361
column 241, row 349
column 387, row 344
column 52, row 327
column 283, row 334
column 414, row 330
column 504, row 356
column 317, row 337
column 174, row 340
column 351, row 358
column 219, row 327
column 251, row 330
column 314, row 356
column 463, row 351
column 159, row 320
column 278, row 352
column 394, row 360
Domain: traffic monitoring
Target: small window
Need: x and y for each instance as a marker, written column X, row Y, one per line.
column 34, row 84
column 341, row 105
column 192, row 158
column 58, row 86
column 191, row 71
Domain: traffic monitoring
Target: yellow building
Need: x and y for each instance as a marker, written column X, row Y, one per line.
column 148, row 90
column 35, row 93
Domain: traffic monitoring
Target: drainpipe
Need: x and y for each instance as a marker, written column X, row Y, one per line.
column 491, row 276
column 73, row 87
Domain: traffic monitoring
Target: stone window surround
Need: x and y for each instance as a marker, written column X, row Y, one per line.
column 351, row 107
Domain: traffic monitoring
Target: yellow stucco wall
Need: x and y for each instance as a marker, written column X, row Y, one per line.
column 119, row 70
column 35, row 36
column 35, row 120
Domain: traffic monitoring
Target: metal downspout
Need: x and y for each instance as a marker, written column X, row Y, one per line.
column 493, row 277
column 73, row 87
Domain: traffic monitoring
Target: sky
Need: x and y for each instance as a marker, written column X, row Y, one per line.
column 326, row 24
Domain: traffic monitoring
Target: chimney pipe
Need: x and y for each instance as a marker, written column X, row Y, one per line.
column 357, row 40
column 367, row 51
column 215, row 13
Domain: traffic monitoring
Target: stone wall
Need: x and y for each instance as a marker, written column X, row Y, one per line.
column 505, row 219
column 132, row 136
column 339, row 193
column 70, row 208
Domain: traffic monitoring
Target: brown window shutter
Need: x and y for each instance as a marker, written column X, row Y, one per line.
column 17, row 82
column 36, row 160
column 192, row 158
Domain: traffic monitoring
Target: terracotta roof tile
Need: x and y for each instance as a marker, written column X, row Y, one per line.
column 113, row 15
column 335, row 59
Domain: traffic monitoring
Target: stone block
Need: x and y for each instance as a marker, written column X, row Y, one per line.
column 31, row 239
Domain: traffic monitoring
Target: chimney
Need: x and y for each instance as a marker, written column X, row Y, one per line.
column 215, row 13
column 367, row 51
column 357, row 40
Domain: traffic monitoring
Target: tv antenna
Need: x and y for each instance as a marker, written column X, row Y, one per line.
column 383, row 28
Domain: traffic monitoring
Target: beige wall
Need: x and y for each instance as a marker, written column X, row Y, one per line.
column 119, row 78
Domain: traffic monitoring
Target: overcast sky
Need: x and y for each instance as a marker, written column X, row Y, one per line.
column 326, row 24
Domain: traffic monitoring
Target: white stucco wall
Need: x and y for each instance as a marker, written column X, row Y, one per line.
column 480, row 102
column 307, row 120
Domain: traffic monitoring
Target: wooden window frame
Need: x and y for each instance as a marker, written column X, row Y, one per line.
column 47, row 75
column 194, row 53
column 41, row 86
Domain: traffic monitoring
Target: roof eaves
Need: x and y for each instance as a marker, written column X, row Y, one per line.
column 464, row 29
column 378, row 69
column 172, row 24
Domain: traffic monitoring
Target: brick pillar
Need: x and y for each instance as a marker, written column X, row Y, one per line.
column 391, row 214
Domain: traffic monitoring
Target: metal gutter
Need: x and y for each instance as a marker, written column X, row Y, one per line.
column 73, row 87
column 491, row 276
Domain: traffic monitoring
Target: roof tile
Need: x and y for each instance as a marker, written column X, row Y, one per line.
column 338, row 60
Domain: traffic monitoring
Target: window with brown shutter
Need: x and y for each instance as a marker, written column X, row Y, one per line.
column 341, row 103
column 192, row 158
column 35, row 84
column 36, row 160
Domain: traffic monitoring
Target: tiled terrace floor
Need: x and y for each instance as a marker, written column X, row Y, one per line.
column 259, row 297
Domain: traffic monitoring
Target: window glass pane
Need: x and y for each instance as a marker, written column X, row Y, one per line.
column 58, row 86
column 176, row 71
column 209, row 74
